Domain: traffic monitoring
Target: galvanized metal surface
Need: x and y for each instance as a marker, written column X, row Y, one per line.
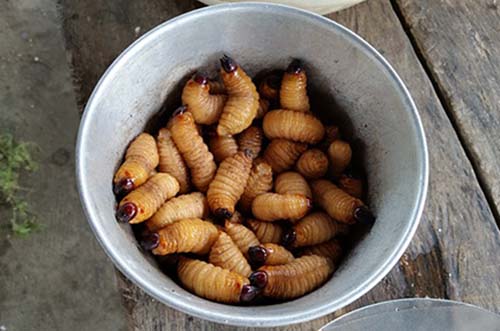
column 356, row 85
column 417, row 314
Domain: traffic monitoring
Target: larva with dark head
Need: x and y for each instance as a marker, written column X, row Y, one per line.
column 143, row 202
column 140, row 159
column 222, row 147
column 351, row 184
column 229, row 183
column 269, row 254
column 269, row 87
column 266, row 232
column 192, row 148
column 227, row 255
column 251, row 140
column 193, row 205
column 291, row 182
column 292, row 125
column 190, row 235
column 312, row 164
column 294, row 279
column 205, row 107
column 281, row 154
column 340, row 205
column 259, row 181
column 293, row 92
column 243, row 237
column 214, row 283
column 330, row 249
column 171, row 160
column 313, row 229
column 243, row 100
column 273, row 206
column 339, row 154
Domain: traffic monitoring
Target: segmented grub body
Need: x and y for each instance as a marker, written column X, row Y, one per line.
column 192, row 205
column 259, row 181
column 243, row 237
column 331, row 249
column 211, row 282
column 337, row 203
column 339, row 154
column 205, row 106
column 317, row 228
column 243, row 100
column 266, row 232
column 171, row 160
column 293, row 92
column 229, row 183
column 191, row 235
column 281, row 154
column 222, row 147
column 193, row 149
column 273, row 206
column 292, row 125
column 251, row 140
column 227, row 255
column 294, row 279
column 143, row 202
column 291, row 182
column 140, row 159
column 269, row 254
column 312, row 164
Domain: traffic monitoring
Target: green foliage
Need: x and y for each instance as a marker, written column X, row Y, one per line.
column 15, row 157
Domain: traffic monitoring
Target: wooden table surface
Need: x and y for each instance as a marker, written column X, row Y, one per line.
column 448, row 55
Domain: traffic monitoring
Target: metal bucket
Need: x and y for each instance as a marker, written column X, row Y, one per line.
column 349, row 80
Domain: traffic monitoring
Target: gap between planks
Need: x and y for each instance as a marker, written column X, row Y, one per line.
column 446, row 104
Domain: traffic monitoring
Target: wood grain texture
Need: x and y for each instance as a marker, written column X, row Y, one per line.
column 96, row 32
column 453, row 254
column 460, row 44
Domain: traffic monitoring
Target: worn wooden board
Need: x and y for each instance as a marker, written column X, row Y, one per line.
column 453, row 254
column 97, row 31
column 460, row 45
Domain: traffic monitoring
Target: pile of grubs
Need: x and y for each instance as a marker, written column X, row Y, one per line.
column 245, row 187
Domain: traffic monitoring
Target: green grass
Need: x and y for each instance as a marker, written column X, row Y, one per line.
column 15, row 157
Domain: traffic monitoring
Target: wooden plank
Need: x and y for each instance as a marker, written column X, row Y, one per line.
column 453, row 253
column 459, row 42
column 97, row 31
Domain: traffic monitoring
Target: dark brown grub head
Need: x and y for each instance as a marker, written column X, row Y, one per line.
column 258, row 279
column 257, row 255
column 289, row 237
column 363, row 215
column 228, row 64
column 223, row 213
column 126, row 212
column 295, row 67
column 200, row 78
column 123, row 187
column 248, row 293
column 150, row 241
